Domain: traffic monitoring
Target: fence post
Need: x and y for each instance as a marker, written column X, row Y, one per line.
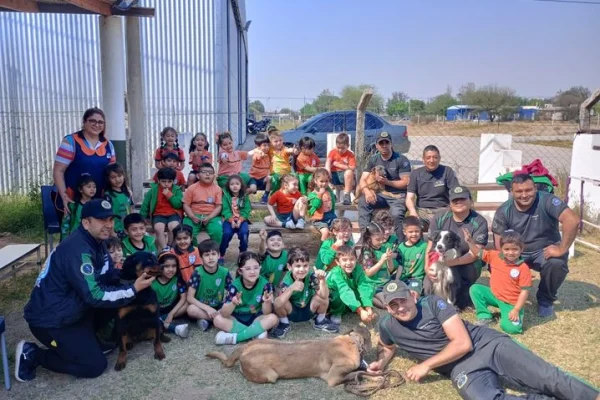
column 360, row 128
column 584, row 111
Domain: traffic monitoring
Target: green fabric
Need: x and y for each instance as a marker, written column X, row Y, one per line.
column 276, row 181
column 129, row 248
column 168, row 293
column 251, row 297
column 250, row 332
column 237, row 327
column 214, row 228
column 348, row 292
column 303, row 181
column 71, row 221
column 222, row 180
column 326, row 256
column 243, row 204
column 392, row 240
column 502, row 179
column 151, row 198
column 303, row 298
column 210, row 288
column 370, row 257
column 483, row 297
column 413, row 260
column 121, row 206
column 314, row 202
column 273, row 269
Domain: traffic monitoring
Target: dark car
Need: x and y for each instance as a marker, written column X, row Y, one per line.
column 320, row 125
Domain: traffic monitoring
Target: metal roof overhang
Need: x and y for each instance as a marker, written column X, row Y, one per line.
column 99, row 7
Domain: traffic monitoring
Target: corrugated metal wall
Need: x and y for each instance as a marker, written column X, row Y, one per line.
column 194, row 75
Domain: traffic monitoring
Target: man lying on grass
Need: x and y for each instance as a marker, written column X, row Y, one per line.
column 474, row 357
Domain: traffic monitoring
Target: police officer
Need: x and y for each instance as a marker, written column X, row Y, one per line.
column 474, row 357
column 397, row 168
column 535, row 216
column 59, row 312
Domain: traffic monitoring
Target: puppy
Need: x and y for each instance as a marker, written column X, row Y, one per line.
column 139, row 320
column 372, row 184
column 266, row 361
column 445, row 247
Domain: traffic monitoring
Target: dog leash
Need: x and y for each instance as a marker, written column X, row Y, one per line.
column 365, row 384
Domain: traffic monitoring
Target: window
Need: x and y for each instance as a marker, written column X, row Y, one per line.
column 325, row 124
column 350, row 122
column 372, row 122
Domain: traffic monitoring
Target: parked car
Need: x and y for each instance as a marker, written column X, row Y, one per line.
column 320, row 125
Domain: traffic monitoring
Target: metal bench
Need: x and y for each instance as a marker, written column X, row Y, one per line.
column 12, row 258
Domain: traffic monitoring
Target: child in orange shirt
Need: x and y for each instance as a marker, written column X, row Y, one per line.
column 280, row 158
column 230, row 160
column 342, row 164
column 510, row 283
column 306, row 162
column 290, row 204
column 188, row 255
column 169, row 144
column 261, row 166
column 170, row 161
column 199, row 155
column 202, row 204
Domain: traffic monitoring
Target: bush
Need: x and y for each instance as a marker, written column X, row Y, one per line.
column 21, row 215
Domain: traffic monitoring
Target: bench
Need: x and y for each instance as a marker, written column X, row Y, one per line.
column 12, row 257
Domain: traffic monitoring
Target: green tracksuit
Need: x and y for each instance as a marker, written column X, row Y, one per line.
column 326, row 257
column 349, row 292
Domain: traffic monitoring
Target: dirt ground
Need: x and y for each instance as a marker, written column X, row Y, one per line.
column 571, row 340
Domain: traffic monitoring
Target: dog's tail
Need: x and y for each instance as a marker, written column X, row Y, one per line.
column 227, row 361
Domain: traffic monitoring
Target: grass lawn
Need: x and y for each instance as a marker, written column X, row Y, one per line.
column 571, row 340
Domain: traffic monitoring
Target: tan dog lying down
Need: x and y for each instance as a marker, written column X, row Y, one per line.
column 266, row 360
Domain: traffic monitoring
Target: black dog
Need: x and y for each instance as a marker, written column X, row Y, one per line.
column 139, row 320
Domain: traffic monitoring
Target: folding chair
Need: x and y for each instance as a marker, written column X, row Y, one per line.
column 51, row 221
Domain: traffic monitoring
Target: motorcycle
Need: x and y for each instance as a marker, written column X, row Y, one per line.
column 253, row 127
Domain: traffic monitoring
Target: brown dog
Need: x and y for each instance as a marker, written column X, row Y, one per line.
column 266, row 361
column 372, row 184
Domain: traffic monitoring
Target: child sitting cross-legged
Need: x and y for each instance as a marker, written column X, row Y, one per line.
column 274, row 256
column 136, row 239
column 248, row 310
column 188, row 255
column 350, row 290
column 207, row 286
column 287, row 207
column 510, row 283
column 302, row 294
column 339, row 235
column 170, row 291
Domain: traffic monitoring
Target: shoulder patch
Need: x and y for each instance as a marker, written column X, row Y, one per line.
column 556, row 201
column 441, row 304
column 86, row 268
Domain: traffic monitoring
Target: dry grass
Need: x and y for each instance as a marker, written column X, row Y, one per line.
column 542, row 128
column 571, row 341
column 565, row 144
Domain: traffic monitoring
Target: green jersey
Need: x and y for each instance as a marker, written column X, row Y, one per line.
column 273, row 268
column 348, row 292
column 303, row 298
column 412, row 259
column 168, row 293
column 252, row 298
column 129, row 248
column 326, row 258
column 210, row 288
column 389, row 244
column 72, row 220
column 121, row 206
column 370, row 257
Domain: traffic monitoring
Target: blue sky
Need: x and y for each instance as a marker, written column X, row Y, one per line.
column 300, row 47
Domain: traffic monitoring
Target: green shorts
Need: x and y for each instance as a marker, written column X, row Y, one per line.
column 165, row 219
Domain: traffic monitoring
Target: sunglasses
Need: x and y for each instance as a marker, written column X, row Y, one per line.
column 95, row 122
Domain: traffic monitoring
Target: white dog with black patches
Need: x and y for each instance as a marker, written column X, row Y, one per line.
column 446, row 245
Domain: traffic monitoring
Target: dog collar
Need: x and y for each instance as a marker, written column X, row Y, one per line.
column 358, row 341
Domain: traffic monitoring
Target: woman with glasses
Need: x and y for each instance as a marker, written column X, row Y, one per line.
column 87, row 151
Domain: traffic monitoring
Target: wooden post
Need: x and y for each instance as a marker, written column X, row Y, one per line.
column 360, row 129
column 584, row 111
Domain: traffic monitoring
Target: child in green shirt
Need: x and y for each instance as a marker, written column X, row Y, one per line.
column 412, row 252
column 341, row 234
column 136, row 239
column 248, row 310
column 349, row 288
column 86, row 190
column 208, row 286
column 274, row 256
column 170, row 291
column 117, row 192
column 302, row 294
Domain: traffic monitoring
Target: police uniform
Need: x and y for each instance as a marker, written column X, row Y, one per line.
column 538, row 228
column 396, row 167
column 494, row 354
column 69, row 286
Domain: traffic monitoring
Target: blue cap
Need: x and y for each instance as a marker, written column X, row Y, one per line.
column 98, row 208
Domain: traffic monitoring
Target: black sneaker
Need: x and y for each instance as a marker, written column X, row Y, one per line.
column 280, row 330
column 326, row 325
column 25, row 364
column 347, row 199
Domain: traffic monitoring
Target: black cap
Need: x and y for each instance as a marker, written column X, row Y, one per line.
column 395, row 290
column 98, row 208
column 383, row 136
column 460, row 192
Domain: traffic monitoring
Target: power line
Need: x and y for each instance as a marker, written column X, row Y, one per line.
column 596, row 3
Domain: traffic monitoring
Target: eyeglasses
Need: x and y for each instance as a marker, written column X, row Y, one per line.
column 95, row 122
column 206, row 172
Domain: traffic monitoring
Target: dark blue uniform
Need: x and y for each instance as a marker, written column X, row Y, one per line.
column 59, row 312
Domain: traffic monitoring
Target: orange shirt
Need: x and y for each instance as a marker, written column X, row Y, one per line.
column 507, row 280
column 231, row 163
column 161, row 152
column 346, row 158
column 179, row 180
column 284, row 202
column 261, row 165
column 199, row 157
column 203, row 198
column 326, row 206
column 163, row 206
column 188, row 261
column 303, row 161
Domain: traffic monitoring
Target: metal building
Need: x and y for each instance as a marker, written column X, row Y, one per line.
column 194, row 71
column 465, row 112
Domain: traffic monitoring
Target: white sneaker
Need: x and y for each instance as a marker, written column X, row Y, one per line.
column 263, row 335
column 290, row 224
column 225, row 338
column 336, row 319
column 300, row 224
column 182, row 330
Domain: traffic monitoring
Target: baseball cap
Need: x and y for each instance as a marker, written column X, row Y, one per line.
column 395, row 290
column 97, row 208
column 383, row 136
column 460, row 192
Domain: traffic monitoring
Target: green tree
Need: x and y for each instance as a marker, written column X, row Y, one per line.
column 324, row 101
column 350, row 97
column 257, row 107
column 416, row 107
column 397, row 105
column 308, row 110
column 493, row 99
column 439, row 104
column 570, row 100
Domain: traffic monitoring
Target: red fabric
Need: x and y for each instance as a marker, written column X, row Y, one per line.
column 537, row 168
column 433, row 256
